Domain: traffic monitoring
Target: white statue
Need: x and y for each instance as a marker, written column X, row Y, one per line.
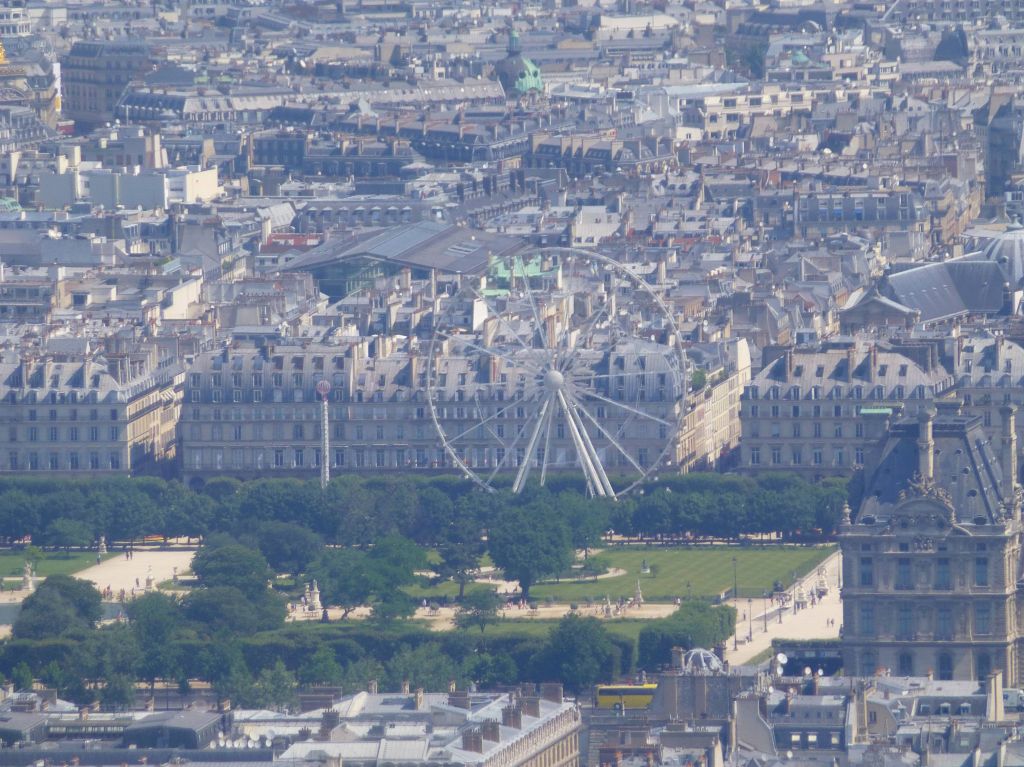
column 27, row 583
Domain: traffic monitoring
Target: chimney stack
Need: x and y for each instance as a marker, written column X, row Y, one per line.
column 328, row 722
column 678, row 656
column 371, row 687
column 491, row 730
column 472, row 741
column 552, row 691
column 1009, row 413
column 531, row 707
column 405, row 687
column 925, row 445
column 512, row 716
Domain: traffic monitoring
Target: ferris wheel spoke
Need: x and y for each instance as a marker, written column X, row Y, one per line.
column 547, row 445
column 492, row 352
column 531, row 446
column 500, row 317
column 629, row 408
column 539, row 326
column 588, row 460
column 489, row 418
column 595, row 458
column 584, row 332
column 597, row 376
column 508, row 451
column 612, row 440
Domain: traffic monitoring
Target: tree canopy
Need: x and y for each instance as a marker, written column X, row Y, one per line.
column 529, row 543
column 60, row 606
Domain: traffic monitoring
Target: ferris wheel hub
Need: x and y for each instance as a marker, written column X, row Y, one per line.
column 554, row 380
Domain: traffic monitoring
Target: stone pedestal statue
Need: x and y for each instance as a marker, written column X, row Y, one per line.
column 150, row 585
column 102, row 548
column 314, row 598
column 27, row 582
column 638, row 596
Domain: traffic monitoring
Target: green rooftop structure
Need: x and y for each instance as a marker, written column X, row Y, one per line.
column 516, row 73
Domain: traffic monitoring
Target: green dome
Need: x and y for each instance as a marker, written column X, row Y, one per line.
column 516, row 73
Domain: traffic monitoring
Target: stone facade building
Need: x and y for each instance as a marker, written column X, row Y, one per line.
column 250, row 410
column 932, row 557
column 805, row 410
column 70, row 409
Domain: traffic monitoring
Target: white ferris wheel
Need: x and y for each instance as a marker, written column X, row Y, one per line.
column 557, row 360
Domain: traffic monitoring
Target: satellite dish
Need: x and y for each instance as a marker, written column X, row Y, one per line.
column 781, row 659
column 807, row 670
column 821, row 672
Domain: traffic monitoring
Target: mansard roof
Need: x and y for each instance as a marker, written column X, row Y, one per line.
column 967, row 473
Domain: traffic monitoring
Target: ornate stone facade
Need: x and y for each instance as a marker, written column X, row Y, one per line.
column 931, row 560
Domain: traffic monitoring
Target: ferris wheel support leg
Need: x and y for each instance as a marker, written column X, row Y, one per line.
column 595, row 459
column 531, row 448
column 581, row 448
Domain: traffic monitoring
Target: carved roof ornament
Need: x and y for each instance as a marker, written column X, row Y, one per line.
column 847, row 517
column 926, row 488
column 919, row 485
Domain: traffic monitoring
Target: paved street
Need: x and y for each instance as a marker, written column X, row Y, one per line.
column 809, row 623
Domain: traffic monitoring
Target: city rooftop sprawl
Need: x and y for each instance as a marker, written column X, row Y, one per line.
column 615, row 238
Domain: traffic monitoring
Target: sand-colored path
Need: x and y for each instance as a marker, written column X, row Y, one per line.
column 820, row 621
column 119, row 573
column 443, row 618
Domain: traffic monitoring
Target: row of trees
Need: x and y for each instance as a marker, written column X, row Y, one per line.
column 58, row 639
column 433, row 512
column 230, row 631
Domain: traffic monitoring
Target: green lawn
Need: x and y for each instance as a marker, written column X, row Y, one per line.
column 707, row 570
column 700, row 571
column 12, row 563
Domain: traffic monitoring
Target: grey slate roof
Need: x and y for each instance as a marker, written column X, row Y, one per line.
column 966, row 467
column 948, row 289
